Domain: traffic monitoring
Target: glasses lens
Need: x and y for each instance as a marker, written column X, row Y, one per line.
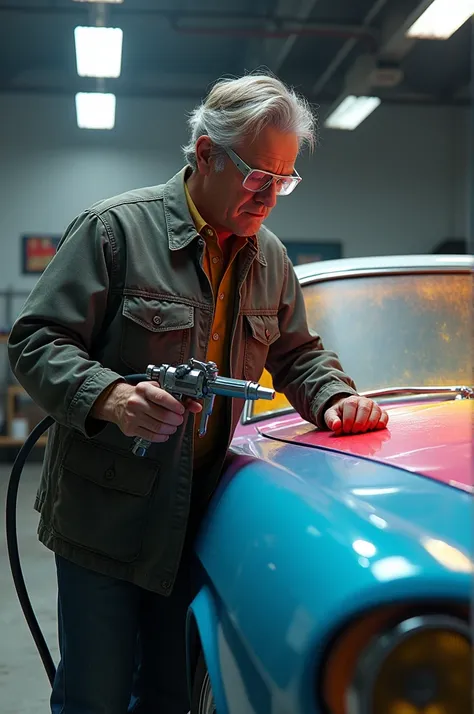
column 259, row 181
column 286, row 185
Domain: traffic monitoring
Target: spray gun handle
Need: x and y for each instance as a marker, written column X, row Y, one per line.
column 140, row 445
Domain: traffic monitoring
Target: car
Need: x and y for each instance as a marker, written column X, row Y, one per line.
column 336, row 572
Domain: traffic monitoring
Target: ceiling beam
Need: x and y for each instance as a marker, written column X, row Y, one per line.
column 345, row 50
column 364, row 77
column 148, row 83
column 395, row 45
column 282, row 51
column 124, row 10
column 277, row 30
column 129, row 90
column 193, row 92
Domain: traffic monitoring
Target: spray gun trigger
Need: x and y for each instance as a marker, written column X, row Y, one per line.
column 206, row 413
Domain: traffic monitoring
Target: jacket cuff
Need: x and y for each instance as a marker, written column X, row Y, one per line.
column 325, row 395
column 78, row 413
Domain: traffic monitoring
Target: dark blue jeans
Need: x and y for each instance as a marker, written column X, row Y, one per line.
column 122, row 648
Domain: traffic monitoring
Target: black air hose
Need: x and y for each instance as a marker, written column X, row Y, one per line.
column 12, row 535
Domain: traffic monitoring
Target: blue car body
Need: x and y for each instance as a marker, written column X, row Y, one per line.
column 282, row 574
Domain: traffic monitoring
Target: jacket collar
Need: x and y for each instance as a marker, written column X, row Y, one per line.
column 179, row 222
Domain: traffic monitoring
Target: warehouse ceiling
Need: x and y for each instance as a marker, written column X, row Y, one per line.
column 177, row 48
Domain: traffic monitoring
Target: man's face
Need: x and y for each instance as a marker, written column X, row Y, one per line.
column 232, row 208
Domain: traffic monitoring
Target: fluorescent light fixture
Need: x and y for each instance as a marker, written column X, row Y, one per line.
column 95, row 110
column 351, row 112
column 98, row 51
column 108, row 2
column 441, row 19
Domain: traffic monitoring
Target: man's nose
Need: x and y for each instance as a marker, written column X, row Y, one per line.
column 268, row 196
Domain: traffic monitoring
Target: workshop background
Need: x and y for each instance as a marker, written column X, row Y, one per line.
column 401, row 181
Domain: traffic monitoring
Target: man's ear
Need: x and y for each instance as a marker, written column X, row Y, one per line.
column 204, row 155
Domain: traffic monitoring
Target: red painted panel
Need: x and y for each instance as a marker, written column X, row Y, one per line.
column 434, row 439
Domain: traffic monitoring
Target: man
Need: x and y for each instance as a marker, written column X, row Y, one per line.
column 158, row 275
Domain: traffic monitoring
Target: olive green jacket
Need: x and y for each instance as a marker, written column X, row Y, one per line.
column 127, row 289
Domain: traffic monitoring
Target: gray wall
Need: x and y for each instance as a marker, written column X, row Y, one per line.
column 397, row 184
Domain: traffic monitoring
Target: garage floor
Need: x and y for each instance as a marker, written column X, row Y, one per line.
column 24, row 687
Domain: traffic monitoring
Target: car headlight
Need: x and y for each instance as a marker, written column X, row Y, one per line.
column 419, row 665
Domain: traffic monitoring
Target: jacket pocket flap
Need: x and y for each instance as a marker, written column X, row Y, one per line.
column 129, row 474
column 158, row 315
column 264, row 328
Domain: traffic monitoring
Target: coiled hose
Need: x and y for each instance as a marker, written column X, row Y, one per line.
column 12, row 536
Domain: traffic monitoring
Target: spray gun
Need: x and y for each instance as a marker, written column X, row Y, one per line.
column 199, row 380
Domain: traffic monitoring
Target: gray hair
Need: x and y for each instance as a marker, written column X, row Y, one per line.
column 237, row 108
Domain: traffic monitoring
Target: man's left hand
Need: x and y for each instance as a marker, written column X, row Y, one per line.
column 355, row 415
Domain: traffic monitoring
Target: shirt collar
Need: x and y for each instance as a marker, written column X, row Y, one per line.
column 179, row 219
column 198, row 220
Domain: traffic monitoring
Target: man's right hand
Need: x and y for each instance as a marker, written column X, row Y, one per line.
column 144, row 410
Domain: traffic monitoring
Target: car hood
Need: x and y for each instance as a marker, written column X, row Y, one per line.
column 433, row 439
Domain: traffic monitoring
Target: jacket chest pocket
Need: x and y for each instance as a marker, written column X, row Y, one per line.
column 261, row 331
column 154, row 332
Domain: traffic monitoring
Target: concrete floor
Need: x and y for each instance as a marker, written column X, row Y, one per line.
column 24, row 687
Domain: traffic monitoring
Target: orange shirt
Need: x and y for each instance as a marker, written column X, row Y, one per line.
column 221, row 275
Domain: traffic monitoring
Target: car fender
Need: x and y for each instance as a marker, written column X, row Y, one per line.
column 203, row 623
column 267, row 510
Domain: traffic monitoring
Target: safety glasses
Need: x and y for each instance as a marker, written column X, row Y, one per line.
column 256, row 180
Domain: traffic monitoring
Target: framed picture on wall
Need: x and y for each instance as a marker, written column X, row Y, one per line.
column 37, row 251
column 301, row 252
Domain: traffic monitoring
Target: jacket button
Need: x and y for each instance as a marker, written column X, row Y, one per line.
column 109, row 474
column 165, row 584
column 157, row 320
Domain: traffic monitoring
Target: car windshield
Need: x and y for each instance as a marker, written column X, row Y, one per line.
column 392, row 330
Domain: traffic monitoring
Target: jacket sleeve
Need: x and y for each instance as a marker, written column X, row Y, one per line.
column 50, row 343
column 306, row 373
